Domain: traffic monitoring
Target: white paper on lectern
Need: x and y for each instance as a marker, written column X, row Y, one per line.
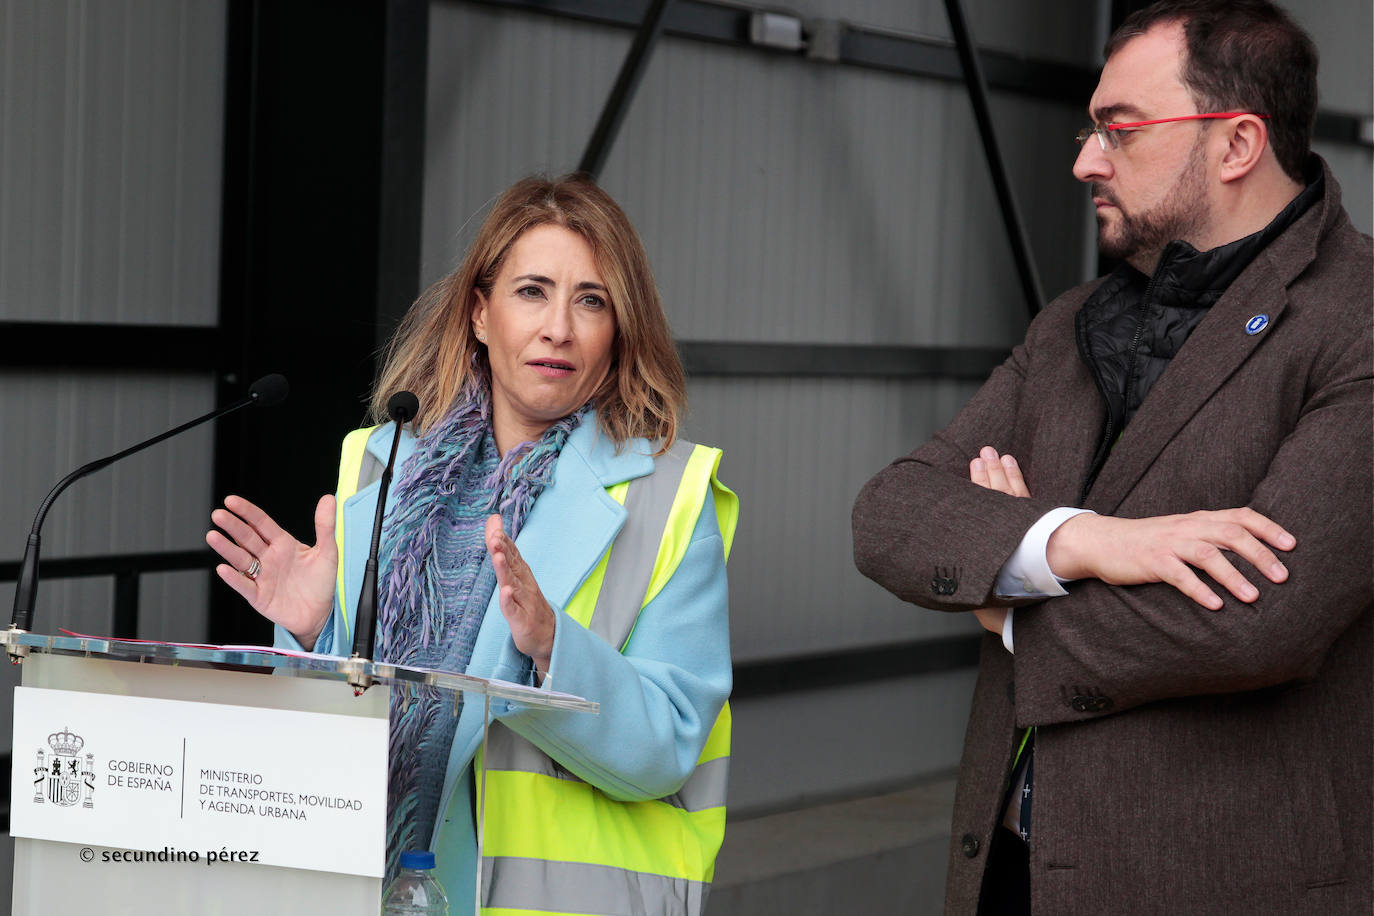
column 303, row 790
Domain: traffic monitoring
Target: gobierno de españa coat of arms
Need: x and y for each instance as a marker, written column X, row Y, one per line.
column 61, row 778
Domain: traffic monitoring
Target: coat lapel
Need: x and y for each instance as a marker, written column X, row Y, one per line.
column 572, row 523
column 569, row 528
column 1068, row 420
column 1214, row 351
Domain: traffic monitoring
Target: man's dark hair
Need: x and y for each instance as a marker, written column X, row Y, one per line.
column 1243, row 55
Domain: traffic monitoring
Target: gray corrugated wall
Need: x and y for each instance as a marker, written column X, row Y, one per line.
column 111, row 118
column 110, row 145
column 772, row 191
column 111, row 126
column 155, row 500
column 796, row 451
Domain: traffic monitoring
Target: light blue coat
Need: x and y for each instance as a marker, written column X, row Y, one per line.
column 659, row 698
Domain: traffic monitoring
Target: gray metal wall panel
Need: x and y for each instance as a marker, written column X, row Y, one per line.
column 175, row 605
column 779, row 200
column 1354, row 169
column 111, row 127
column 1344, row 34
column 840, row 205
column 794, row 749
column 156, row 500
column 501, row 104
column 111, row 132
column 797, row 451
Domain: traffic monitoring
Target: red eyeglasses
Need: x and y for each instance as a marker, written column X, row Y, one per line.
column 1107, row 137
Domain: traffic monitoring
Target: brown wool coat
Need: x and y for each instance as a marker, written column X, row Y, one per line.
column 1187, row 761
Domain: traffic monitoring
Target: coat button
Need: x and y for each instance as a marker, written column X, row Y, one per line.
column 945, row 581
column 969, row 845
column 1091, row 703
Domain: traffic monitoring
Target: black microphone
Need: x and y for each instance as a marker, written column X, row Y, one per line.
column 401, row 407
column 267, row 391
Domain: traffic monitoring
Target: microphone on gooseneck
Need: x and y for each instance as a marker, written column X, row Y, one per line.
column 266, row 391
column 402, row 407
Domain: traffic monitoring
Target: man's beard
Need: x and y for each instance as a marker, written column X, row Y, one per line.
column 1140, row 237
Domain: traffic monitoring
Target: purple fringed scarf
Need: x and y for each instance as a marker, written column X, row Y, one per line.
column 436, row 582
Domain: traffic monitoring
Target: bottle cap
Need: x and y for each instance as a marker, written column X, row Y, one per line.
column 417, row 858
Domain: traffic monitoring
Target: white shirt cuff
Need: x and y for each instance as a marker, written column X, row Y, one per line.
column 1007, row 642
column 1027, row 574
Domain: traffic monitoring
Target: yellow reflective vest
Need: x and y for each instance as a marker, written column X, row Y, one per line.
column 554, row 844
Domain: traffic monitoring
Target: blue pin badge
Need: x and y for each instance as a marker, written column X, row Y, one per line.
column 1257, row 324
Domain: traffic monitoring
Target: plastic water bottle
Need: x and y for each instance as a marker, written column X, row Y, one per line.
column 415, row 892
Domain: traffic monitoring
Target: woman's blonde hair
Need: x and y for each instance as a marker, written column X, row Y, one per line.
column 435, row 352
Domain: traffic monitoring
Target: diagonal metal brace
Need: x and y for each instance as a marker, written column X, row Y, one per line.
column 1011, row 216
column 618, row 102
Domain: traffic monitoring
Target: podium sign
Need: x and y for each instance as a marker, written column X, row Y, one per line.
column 131, row 757
column 200, row 781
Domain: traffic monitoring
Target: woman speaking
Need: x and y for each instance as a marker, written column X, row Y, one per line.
column 547, row 526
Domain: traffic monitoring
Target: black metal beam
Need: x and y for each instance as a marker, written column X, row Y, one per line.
column 1006, row 198
column 80, row 345
column 405, row 78
column 115, row 564
column 1334, row 127
column 192, row 350
column 687, row 18
column 323, row 163
column 711, row 358
column 126, row 588
column 622, row 93
column 854, row 666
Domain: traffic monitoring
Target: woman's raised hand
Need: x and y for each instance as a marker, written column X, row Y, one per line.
column 290, row 584
column 523, row 604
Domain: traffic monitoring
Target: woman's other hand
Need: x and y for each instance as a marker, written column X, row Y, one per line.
column 294, row 584
column 1003, row 474
column 523, row 605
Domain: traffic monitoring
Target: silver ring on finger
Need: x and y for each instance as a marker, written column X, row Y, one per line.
column 253, row 569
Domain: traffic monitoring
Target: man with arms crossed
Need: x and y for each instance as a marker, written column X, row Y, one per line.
column 1172, row 476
